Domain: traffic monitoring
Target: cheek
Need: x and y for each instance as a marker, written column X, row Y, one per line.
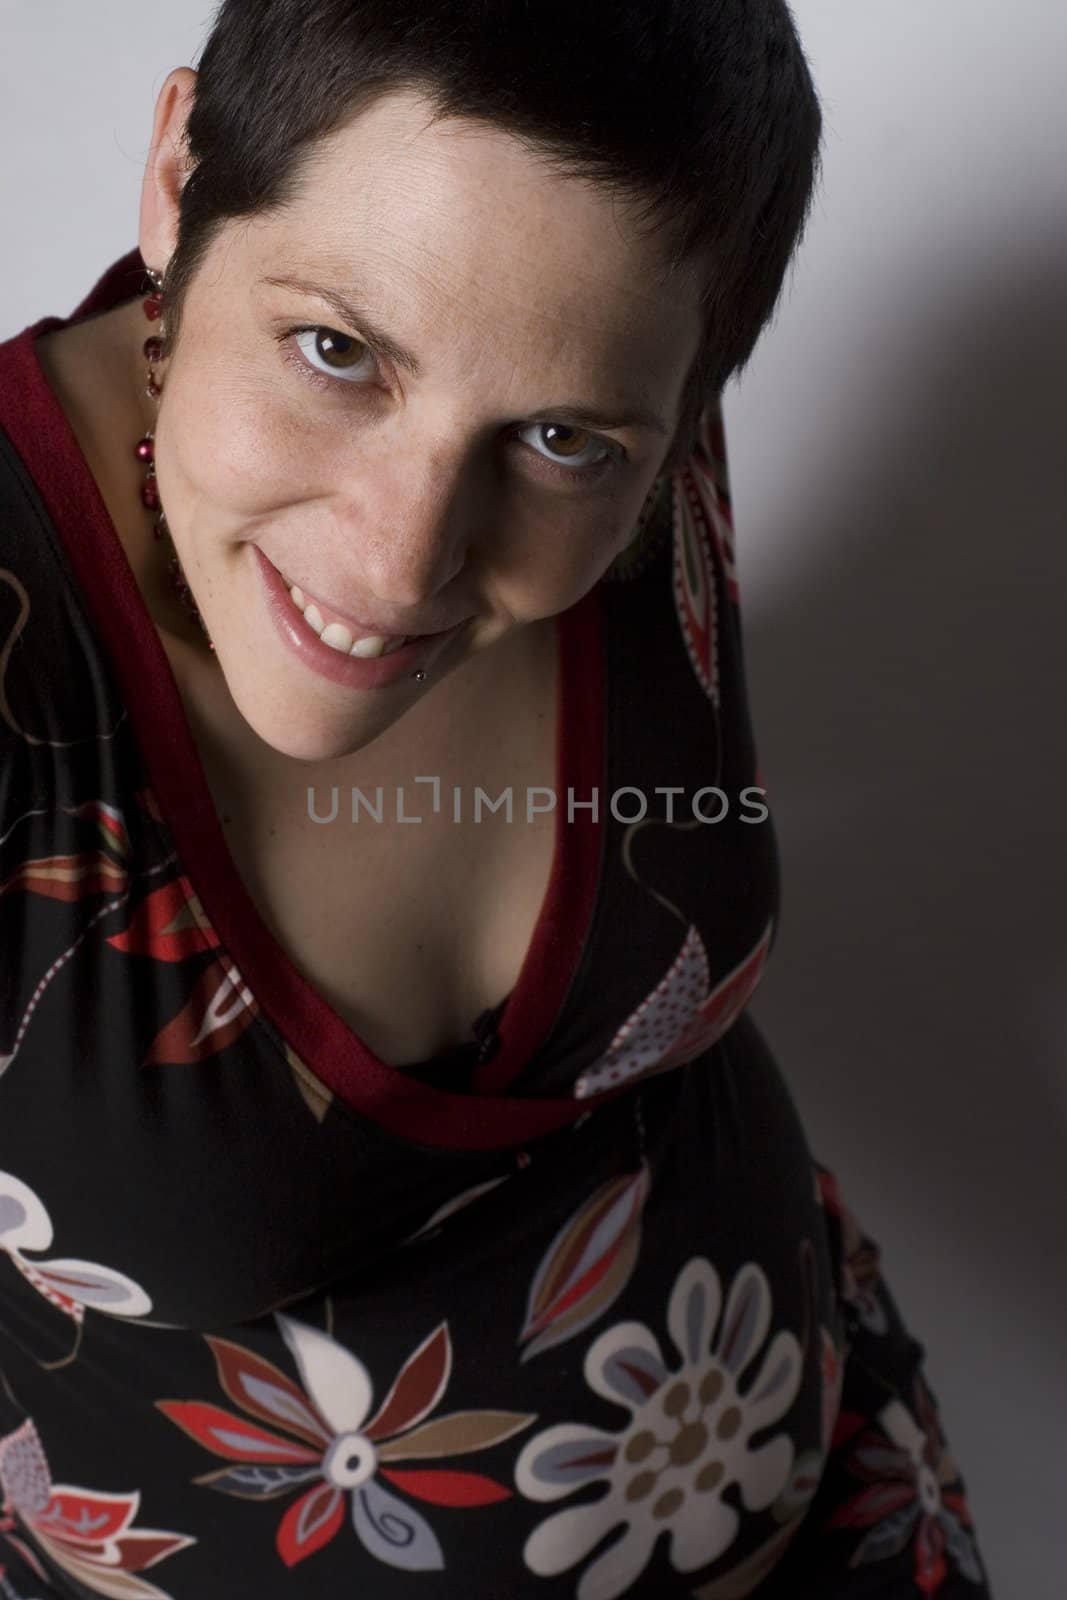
column 230, row 446
column 589, row 539
column 559, row 556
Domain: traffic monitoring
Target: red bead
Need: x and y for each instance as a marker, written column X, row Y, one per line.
column 146, row 450
column 153, row 306
column 150, row 495
column 153, row 349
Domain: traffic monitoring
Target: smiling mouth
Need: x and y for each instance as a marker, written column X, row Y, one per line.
column 341, row 635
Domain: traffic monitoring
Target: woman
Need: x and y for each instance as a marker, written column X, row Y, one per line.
column 308, row 1290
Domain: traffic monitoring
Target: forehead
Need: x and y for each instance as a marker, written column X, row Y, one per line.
column 461, row 217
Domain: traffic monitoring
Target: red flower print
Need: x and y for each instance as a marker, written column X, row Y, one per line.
column 170, row 925
column 914, row 1497
column 99, row 869
column 319, row 1436
column 588, row 1263
column 680, row 1019
column 217, row 1012
column 88, row 1534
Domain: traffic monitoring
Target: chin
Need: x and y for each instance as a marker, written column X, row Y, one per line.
column 304, row 729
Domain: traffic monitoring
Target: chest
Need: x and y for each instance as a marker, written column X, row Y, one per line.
column 409, row 929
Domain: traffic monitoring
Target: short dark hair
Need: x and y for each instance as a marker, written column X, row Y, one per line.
column 700, row 115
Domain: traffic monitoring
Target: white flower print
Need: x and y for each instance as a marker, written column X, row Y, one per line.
column 686, row 1440
column 68, row 1284
column 322, row 1440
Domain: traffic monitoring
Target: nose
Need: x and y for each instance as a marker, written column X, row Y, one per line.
column 412, row 528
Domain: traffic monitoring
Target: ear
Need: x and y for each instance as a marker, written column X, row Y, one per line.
column 166, row 169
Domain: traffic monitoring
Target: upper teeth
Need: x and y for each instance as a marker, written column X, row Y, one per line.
column 337, row 636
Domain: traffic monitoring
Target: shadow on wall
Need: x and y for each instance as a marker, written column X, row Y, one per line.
column 907, row 707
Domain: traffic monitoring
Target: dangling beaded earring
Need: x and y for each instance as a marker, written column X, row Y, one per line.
column 154, row 352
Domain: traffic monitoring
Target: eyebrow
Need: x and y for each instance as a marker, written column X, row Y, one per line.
column 356, row 316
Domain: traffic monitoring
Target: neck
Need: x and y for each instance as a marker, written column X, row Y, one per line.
column 97, row 369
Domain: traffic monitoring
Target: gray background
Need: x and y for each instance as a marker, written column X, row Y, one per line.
column 898, row 472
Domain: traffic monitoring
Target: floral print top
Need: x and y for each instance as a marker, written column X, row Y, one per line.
column 572, row 1313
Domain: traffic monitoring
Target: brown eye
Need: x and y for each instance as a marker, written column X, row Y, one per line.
column 329, row 351
column 573, row 450
column 565, row 441
column 339, row 349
